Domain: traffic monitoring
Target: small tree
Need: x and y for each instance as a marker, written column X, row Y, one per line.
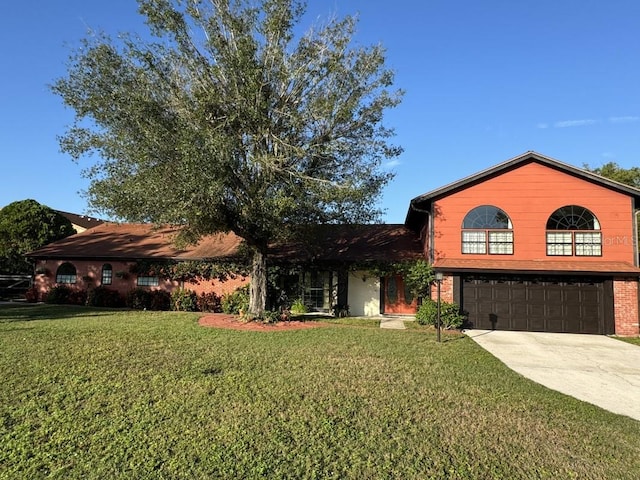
column 25, row 226
column 418, row 276
column 232, row 122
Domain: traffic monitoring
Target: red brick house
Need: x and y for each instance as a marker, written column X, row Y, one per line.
column 535, row 244
column 333, row 260
column 529, row 244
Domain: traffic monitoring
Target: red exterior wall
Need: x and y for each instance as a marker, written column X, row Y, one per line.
column 529, row 194
column 625, row 299
column 89, row 275
column 446, row 289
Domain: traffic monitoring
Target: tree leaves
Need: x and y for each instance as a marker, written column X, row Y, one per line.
column 26, row 226
column 228, row 123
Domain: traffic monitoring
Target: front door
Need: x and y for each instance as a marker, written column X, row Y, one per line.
column 397, row 298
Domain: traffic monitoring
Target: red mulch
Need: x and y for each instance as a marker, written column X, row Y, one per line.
column 234, row 322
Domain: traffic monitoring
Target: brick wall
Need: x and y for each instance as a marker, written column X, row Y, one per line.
column 625, row 297
column 89, row 274
column 446, row 289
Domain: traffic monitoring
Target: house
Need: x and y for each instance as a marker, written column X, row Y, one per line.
column 331, row 268
column 80, row 223
column 529, row 244
column 535, row 244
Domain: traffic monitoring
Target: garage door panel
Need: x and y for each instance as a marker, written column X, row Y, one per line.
column 518, row 293
column 502, row 294
column 573, row 294
column 553, row 310
column 552, row 294
column 553, row 304
column 535, row 294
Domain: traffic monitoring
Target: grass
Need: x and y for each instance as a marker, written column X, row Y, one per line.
column 90, row 393
column 633, row 340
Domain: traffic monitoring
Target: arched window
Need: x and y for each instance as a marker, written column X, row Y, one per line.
column 487, row 229
column 107, row 274
column 573, row 230
column 66, row 273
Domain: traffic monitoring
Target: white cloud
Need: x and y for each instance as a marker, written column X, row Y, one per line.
column 391, row 164
column 627, row 119
column 575, row 123
column 542, row 125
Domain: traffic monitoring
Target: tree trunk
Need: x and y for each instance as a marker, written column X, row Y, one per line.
column 258, row 290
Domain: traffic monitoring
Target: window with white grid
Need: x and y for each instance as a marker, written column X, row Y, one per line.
column 573, row 230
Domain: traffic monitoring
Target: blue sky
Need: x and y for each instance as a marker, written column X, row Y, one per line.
column 485, row 80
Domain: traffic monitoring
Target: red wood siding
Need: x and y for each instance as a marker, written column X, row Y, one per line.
column 529, row 194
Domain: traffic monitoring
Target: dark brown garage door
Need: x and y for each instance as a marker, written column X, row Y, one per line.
column 541, row 304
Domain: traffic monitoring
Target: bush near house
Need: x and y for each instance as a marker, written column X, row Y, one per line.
column 209, row 302
column 234, row 302
column 183, row 300
column 104, row 297
column 141, row 299
column 450, row 316
column 63, row 295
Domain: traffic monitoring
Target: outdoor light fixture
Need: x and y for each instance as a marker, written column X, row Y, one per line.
column 439, row 276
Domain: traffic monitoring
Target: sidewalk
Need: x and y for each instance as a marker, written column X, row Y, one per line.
column 395, row 322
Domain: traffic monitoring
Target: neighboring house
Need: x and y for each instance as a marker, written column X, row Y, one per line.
column 530, row 244
column 80, row 223
column 333, row 261
column 535, row 244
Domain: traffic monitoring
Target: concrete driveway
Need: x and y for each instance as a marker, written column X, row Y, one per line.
column 593, row 368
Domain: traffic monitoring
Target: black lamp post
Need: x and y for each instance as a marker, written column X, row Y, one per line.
column 439, row 277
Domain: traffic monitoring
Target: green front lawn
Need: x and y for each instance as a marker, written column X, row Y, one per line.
column 99, row 394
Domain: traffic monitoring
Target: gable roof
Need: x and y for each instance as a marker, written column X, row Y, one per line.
column 420, row 205
column 326, row 243
column 83, row 221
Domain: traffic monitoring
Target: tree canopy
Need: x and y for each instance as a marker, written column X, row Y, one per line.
column 228, row 120
column 613, row 171
column 25, row 226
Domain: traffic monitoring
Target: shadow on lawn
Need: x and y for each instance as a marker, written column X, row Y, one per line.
column 16, row 312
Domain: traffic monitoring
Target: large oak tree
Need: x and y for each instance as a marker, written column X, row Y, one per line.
column 226, row 119
column 26, row 225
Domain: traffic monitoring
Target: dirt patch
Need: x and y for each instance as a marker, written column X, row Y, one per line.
column 233, row 322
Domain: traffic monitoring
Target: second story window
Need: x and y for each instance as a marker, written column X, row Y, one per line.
column 573, row 230
column 487, row 229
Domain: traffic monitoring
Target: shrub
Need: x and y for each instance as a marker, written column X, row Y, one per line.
column 298, row 307
column 450, row 316
column 183, row 300
column 235, row 301
column 104, row 297
column 209, row 302
column 31, row 295
column 58, row 295
column 139, row 299
column 160, row 300
column 271, row 316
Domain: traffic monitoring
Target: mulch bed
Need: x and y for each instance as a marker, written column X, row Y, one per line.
column 234, row 322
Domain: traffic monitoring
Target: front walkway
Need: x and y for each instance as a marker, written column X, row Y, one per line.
column 395, row 322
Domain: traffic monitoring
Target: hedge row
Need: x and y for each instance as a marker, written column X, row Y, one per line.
column 137, row 299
